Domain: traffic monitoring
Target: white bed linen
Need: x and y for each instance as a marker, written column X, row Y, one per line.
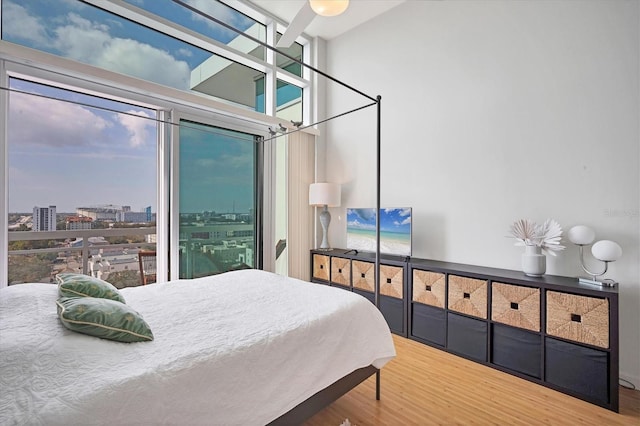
column 240, row 348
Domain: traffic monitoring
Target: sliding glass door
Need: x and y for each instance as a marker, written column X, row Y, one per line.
column 217, row 200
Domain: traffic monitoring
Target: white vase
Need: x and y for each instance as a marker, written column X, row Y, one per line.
column 534, row 263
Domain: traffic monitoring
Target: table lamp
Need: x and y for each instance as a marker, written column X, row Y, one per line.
column 324, row 195
column 604, row 250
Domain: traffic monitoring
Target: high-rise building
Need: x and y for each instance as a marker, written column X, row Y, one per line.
column 44, row 218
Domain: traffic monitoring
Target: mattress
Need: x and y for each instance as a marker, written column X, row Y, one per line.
column 240, row 348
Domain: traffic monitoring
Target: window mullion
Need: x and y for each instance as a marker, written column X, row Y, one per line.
column 270, row 84
column 4, row 198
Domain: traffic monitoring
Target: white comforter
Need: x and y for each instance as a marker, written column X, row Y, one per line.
column 240, row 348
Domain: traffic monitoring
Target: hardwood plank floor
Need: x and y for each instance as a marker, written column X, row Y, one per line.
column 426, row 386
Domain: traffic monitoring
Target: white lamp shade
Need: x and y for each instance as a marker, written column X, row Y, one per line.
column 329, row 7
column 324, row 194
column 581, row 235
column 607, row 251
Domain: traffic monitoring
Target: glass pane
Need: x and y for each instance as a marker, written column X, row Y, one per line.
column 295, row 51
column 174, row 12
column 217, row 182
column 288, row 101
column 74, row 30
column 71, row 157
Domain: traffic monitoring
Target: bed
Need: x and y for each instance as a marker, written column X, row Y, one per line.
column 240, row 348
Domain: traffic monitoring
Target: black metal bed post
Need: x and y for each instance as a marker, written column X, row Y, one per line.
column 376, row 101
column 377, row 268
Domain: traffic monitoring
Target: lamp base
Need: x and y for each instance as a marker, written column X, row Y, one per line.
column 325, row 220
column 604, row 283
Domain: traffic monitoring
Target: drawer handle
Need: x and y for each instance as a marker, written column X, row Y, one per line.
column 514, row 305
column 321, row 266
column 576, row 318
column 466, row 295
column 339, row 270
column 362, row 275
column 427, row 288
column 388, row 280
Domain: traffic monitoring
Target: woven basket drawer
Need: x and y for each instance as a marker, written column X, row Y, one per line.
column 391, row 278
column 321, row 267
column 516, row 305
column 579, row 318
column 363, row 275
column 468, row 296
column 392, row 281
column 429, row 288
column 341, row 271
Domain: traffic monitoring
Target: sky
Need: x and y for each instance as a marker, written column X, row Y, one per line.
column 396, row 220
column 73, row 155
column 70, row 155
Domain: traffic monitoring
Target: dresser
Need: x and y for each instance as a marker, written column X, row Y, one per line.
column 550, row 330
column 356, row 272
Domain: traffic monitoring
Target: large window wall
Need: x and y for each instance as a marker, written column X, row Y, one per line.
column 220, row 73
column 163, row 42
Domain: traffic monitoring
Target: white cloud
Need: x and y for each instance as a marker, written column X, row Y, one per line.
column 141, row 130
column 91, row 43
column 218, row 11
column 357, row 225
column 144, row 61
column 58, row 123
column 185, row 52
column 18, row 23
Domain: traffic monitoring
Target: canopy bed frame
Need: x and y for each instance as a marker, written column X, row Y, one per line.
column 330, row 394
column 326, row 396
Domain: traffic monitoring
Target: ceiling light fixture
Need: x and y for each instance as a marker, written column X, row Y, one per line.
column 329, row 7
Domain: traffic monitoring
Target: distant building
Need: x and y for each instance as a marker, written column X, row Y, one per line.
column 78, row 222
column 112, row 213
column 135, row 217
column 44, row 218
column 98, row 213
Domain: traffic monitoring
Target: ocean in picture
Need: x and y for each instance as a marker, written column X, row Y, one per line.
column 395, row 230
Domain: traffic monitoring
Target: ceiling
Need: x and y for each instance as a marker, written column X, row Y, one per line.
column 358, row 12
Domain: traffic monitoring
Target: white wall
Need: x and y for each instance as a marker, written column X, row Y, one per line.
column 494, row 111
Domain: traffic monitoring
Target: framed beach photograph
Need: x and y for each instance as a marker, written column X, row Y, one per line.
column 395, row 230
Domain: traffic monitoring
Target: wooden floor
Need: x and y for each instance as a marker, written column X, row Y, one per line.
column 426, row 386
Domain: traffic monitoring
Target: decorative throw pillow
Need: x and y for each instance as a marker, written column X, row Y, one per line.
column 80, row 285
column 103, row 318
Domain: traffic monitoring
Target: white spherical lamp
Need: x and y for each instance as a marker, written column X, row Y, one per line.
column 581, row 235
column 606, row 250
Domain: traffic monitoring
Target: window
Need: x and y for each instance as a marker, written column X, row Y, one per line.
column 201, row 68
column 174, row 12
column 217, row 203
column 78, row 164
column 97, row 37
